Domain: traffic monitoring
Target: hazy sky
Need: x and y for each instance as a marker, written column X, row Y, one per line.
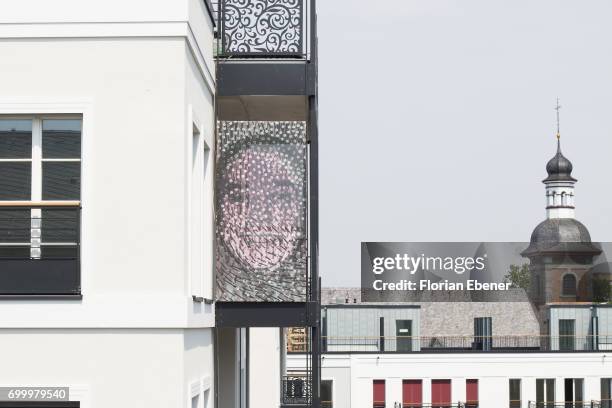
column 437, row 119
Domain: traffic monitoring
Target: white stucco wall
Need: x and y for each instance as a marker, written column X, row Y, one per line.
column 108, row 367
column 264, row 367
column 135, row 96
column 141, row 75
column 493, row 370
column 198, row 363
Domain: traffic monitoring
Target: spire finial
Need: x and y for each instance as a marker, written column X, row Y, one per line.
column 557, row 108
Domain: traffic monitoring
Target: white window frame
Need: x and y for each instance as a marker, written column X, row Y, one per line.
column 202, row 390
column 197, row 219
column 57, row 107
column 36, row 161
column 200, row 256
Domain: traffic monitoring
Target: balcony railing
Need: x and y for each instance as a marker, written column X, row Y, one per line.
column 429, row 405
column 519, row 343
column 570, row 404
column 262, row 28
column 39, row 248
column 296, row 389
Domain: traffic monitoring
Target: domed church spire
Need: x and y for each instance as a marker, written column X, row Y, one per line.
column 557, row 108
column 559, row 168
column 559, row 183
column 560, row 246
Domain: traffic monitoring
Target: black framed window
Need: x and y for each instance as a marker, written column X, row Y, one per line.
column 515, row 392
column 567, row 334
column 606, row 393
column 327, row 398
column 574, row 392
column 483, row 333
column 569, row 285
column 545, row 393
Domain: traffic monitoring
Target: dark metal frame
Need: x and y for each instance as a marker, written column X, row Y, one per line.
column 313, row 100
column 381, row 334
column 262, row 78
column 210, row 10
column 265, row 314
column 276, row 77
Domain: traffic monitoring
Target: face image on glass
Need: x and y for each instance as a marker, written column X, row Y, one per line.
column 262, row 205
column 261, row 211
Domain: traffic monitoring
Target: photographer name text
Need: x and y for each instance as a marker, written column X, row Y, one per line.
column 427, row 285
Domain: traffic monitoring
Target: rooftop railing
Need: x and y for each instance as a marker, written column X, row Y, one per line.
column 262, row 28
column 433, row 344
column 570, row 404
column 434, row 405
column 39, row 248
column 531, row 404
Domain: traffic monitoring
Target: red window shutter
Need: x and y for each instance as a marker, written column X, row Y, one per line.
column 379, row 392
column 440, row 393
column 471, row 391
column 412, row 393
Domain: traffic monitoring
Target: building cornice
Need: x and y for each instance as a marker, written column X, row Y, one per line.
column 87, row 30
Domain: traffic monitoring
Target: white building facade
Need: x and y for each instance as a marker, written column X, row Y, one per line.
column 376, row 356
column 107, row 113
column 499, row 379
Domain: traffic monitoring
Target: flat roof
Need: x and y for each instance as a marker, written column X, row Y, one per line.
column 372, row 305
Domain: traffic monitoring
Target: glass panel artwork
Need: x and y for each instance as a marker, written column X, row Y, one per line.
column 261, row 211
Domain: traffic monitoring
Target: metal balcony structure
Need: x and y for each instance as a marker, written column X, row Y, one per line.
column 266, row 78
column 266, row 47
column 263, row 28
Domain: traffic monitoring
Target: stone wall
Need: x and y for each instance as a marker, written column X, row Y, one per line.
column 515, row 318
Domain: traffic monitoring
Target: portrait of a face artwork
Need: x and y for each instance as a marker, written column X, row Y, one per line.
column 261, row 211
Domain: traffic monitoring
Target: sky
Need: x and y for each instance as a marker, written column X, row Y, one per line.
column 437, row 119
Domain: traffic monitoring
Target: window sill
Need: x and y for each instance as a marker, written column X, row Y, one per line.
column 41, row 297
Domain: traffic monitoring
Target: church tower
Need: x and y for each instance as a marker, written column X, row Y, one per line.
column 559, row 186
column 560, row 251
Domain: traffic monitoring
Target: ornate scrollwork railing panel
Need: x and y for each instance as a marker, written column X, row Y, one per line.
column 262, row 27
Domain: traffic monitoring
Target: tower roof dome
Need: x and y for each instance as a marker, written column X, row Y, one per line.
column 561, row 235
column 559, row 168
